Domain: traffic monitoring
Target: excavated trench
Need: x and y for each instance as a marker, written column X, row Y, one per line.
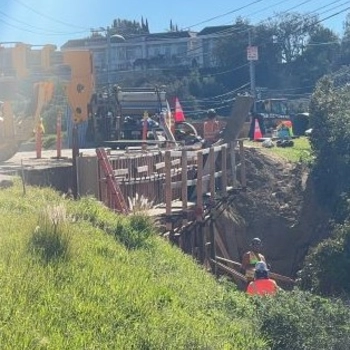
column 279, row 206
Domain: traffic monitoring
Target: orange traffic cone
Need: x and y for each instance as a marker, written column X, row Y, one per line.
column 179, row 113
column 257, row 131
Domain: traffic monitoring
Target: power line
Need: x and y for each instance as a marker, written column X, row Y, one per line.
column 49, row 17
column 225, row 14
column 43, row 30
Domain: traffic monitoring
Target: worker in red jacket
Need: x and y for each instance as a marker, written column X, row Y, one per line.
column 262, row 284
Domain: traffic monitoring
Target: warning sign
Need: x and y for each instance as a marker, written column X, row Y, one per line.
column 252, row 53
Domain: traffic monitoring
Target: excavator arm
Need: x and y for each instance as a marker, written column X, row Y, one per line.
column 20, row 64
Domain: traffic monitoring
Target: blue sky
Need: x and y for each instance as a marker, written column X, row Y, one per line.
column 40, row 22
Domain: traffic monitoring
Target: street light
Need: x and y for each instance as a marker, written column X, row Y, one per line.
column 109, row 36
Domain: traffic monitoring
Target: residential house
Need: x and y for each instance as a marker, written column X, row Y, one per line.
column 158, row 51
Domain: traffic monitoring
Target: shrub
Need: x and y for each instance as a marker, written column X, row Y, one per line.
column 298, row 320
column 139, row 203
column 50, row 239
column 326, row 268
column 134, row 231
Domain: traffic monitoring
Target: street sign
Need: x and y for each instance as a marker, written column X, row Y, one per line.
column 252, row 53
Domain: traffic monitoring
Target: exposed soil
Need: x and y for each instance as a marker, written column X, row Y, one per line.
column 280, row 207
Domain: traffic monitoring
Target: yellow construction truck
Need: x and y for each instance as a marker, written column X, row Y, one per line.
column 36, row 69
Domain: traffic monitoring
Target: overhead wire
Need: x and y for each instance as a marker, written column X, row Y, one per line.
column 225, row 14
column 234, row 29
column 48, row 16
column 43, row 31
column 322, row 7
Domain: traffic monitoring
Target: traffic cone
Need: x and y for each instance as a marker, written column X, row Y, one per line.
column 257, row 131
column 179, row 114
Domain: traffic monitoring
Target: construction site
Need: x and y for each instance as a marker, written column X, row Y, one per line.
column 209, row 199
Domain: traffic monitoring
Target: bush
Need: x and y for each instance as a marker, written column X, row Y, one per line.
column 50, row 239
column 134, row 231
column 298, row 320
column 326, row 268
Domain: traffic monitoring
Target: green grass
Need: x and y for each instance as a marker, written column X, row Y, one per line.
column 71, row 279
column 300, row 152
column 74, row 275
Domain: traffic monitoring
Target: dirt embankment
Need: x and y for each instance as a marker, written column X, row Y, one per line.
column 280, row 207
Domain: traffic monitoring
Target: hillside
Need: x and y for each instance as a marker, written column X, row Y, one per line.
column 279, row 206
column 76, row 276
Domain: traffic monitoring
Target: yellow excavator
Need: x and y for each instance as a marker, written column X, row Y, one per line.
column 21, row 65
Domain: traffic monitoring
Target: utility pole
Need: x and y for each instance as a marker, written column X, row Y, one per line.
column 252, row 55
column 108, row 56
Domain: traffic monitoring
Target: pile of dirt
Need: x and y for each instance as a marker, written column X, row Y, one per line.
column 279, row 206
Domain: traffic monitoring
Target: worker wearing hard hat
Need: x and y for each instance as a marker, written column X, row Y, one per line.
column 252, row 257
column 262, row 284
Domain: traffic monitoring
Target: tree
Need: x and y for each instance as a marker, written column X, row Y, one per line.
column 330, row 140
column 126, row 27
column 319, row 58
column 231, row 54
column 345, row 43
column 291, row 31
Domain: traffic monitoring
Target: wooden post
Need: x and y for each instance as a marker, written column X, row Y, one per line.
column 184, row 188
column 233, row 163
column 212, row 173
column 243, row 169
column 75, row 154
column 59, row 134
column 168, row 190
column 199, row 207
column 212, row 243
column 39, row 130
column 224, row 170
column 212, row 239
column 144, row 131
column 199, row 187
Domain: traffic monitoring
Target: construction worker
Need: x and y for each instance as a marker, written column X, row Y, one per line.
column 251, row 258
column 211, row 127
column 262, row 284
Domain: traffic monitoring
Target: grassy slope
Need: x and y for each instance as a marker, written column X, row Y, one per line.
column 301, row 150
column 98, row 294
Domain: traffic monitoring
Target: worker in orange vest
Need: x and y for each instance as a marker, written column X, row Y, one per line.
column 211, row 127
column 262, row 284
column 251, row 258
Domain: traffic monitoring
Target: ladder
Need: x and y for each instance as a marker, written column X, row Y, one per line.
column 118, row 202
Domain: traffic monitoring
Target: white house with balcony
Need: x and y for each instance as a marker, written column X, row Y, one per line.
column 156, row 51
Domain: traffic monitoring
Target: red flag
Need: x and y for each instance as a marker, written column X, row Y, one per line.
column 179, row 114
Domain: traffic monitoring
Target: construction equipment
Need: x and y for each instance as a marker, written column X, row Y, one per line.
column 273, row 111
column 277, row 110
column 127, row 117
column 27, row 79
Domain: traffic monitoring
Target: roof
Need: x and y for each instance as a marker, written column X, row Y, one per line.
column 214, row 30
column 170, row 35
column 88, row 41
column 84, row 42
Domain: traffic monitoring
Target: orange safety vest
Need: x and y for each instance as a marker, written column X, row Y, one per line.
column 262, row 287
column 253, row 259
column 211, row 129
